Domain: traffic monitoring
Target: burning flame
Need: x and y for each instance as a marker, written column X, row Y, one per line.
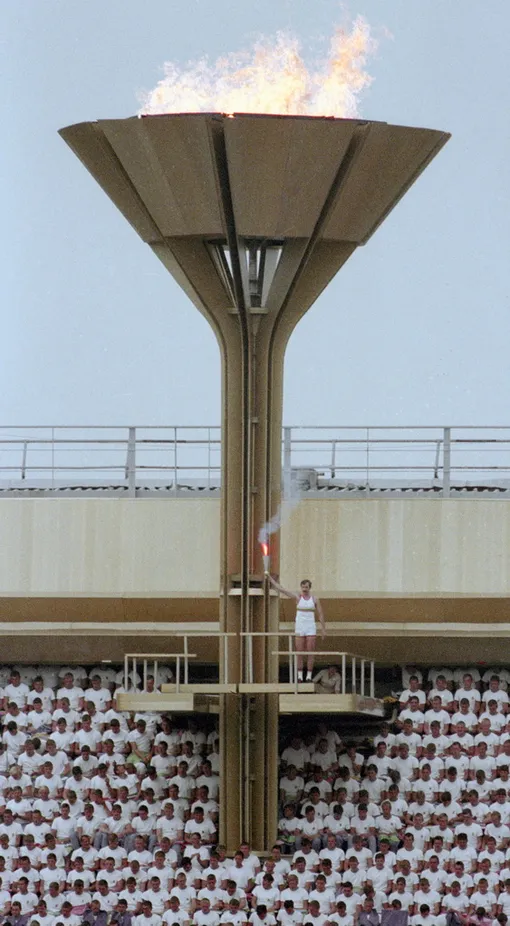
column 271, row 78
column 265, row 549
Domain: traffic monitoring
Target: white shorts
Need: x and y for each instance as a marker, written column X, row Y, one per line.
column 305, row 625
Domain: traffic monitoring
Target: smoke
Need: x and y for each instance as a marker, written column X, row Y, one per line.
column 272, row 77
column 284, row 511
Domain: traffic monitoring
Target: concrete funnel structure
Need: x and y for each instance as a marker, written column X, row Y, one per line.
column 253, row 215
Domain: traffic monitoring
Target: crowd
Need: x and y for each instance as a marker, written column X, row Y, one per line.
column 106, row 816
column 419, row 824
column 110, row 817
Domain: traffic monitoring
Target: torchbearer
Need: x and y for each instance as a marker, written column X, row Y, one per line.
column 306, row 626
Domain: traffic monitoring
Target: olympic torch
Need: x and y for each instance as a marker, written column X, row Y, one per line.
column 265, row 557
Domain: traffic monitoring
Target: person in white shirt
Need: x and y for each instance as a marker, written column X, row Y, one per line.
column 405, row 764
column 437, row 712
column 16, row 690
column 462, row 852
column 27, row 899
column 409, row 853
column 440, row 689
column 360, row 852
column 157, row 895
column 38, row 721
column 483, row 897
column 408, row 737
column 43, row 692
column 298, row 895
column 13, row 739
column 202, row 825
column 101, row 696
column 258, row 917
column 328, row 681
column 401, row 894
column 413, row 690
column 147, row 917
column 295, row 754
column 467, row 691
column 492, row 717
column 498, row 830
column 435, row 738
column 414, row 713
column 341, row 917
column 384, row 736
column 170, row 825
column 324, row 757
column 425, row 895
column 472, row 830
column 465, row 740
column 267, row 893
column 71, row 716
column 419, row 832
column 378, row 875
column 460, row 672
column 72, row 692
column 408, row 672
column 86, row 736
column 496, row 693
column 174, row 914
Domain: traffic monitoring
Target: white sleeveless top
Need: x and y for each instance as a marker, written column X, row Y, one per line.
column 306, row 606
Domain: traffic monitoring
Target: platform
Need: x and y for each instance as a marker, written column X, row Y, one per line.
column 203, row 688
column 275, row 688
column 330, row 704
column 138, row 701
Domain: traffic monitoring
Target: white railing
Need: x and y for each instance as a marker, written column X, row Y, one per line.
column 177, row 458
column 148, row 664
column 357, row 672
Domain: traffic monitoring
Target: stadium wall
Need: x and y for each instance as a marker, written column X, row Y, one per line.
column 398, row 576
column 156, row 548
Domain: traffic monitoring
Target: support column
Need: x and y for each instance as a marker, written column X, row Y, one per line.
column 249, row 727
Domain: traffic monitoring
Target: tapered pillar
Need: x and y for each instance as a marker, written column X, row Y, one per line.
column 253, row 216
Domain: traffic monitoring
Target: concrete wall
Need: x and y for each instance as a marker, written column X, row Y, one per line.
column 109, row 547
column 400, row 546
column 169, row 548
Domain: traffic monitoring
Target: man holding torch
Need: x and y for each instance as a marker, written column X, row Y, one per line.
column 307, row 608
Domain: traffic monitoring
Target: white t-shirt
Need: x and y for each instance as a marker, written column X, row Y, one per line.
column 299, row 896
column 500, row 696
column 445, row 695
column 407, row 693
column 486, row 900
column 74, row 696
column 472, row 695
column 17, row 693
column 442, row 716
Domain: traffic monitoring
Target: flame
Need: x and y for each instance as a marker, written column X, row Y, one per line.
column 265, row 549
column 271, row 78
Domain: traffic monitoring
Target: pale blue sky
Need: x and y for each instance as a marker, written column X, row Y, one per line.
column 415, row 329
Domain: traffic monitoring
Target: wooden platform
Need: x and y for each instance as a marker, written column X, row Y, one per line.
column 307, row 688
column 127, row 701
column 330, row 704
column 205, row 698
column 210, row 688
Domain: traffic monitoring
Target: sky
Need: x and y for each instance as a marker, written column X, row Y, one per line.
column 413, row 330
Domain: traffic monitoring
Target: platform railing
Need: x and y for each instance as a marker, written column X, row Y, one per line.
column 360, row 668
column 149, row 663
column 357, row 672
column 176, row 458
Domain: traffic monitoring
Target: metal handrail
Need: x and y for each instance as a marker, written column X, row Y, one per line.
column 292, row 655
column 360, row 454
column 181, row 658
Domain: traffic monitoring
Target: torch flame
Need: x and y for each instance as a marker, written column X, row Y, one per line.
column 271, row 78
column 265, row 549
